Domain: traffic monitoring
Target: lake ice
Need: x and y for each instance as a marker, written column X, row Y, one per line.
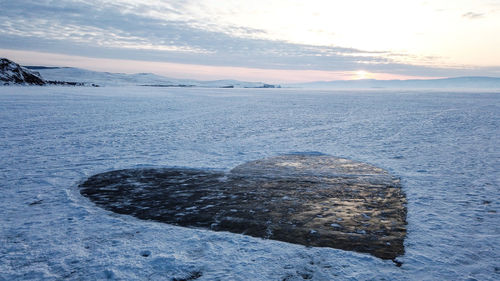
column 443, row 146
column 308, row 199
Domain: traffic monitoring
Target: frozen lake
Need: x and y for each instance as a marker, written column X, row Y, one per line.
column 443, row 146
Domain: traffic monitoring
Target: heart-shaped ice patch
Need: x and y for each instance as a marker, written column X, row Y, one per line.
column 313, row 200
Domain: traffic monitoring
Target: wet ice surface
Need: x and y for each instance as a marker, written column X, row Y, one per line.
column 444, row 146
column 312, row 200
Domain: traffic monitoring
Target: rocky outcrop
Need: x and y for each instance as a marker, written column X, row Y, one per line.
column 12, row 73
column 313, row 200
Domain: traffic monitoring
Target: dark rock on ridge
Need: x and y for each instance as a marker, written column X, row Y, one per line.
column 13, row 73
column 313, row 200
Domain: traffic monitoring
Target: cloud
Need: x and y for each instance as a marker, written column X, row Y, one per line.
column 70, row 28
column 472, row 15
column 163, row 31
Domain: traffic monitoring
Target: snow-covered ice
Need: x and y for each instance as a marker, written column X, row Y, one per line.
column 443, row 146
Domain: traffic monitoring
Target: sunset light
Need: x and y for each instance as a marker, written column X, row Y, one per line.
column 361, row 74
column 403, row 38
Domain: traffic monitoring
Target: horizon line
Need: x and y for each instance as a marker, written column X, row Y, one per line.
column 197, row 71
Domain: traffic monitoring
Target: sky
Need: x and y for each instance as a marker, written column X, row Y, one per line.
column 260, row 40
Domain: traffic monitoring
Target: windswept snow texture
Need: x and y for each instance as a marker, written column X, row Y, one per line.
column 444, row 146
column 312, row 200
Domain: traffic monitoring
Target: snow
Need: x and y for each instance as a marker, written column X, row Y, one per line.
column 71, row 74
column 444, row 146
column 451, row 84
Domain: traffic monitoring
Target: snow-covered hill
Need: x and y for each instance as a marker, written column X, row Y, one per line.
column 13, row 73
column 445, row 83
column 138, row 79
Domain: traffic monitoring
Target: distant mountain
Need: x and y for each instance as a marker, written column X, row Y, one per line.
column 13, row 73
column 475, row 82
column 93, row 77
column 139, row 79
